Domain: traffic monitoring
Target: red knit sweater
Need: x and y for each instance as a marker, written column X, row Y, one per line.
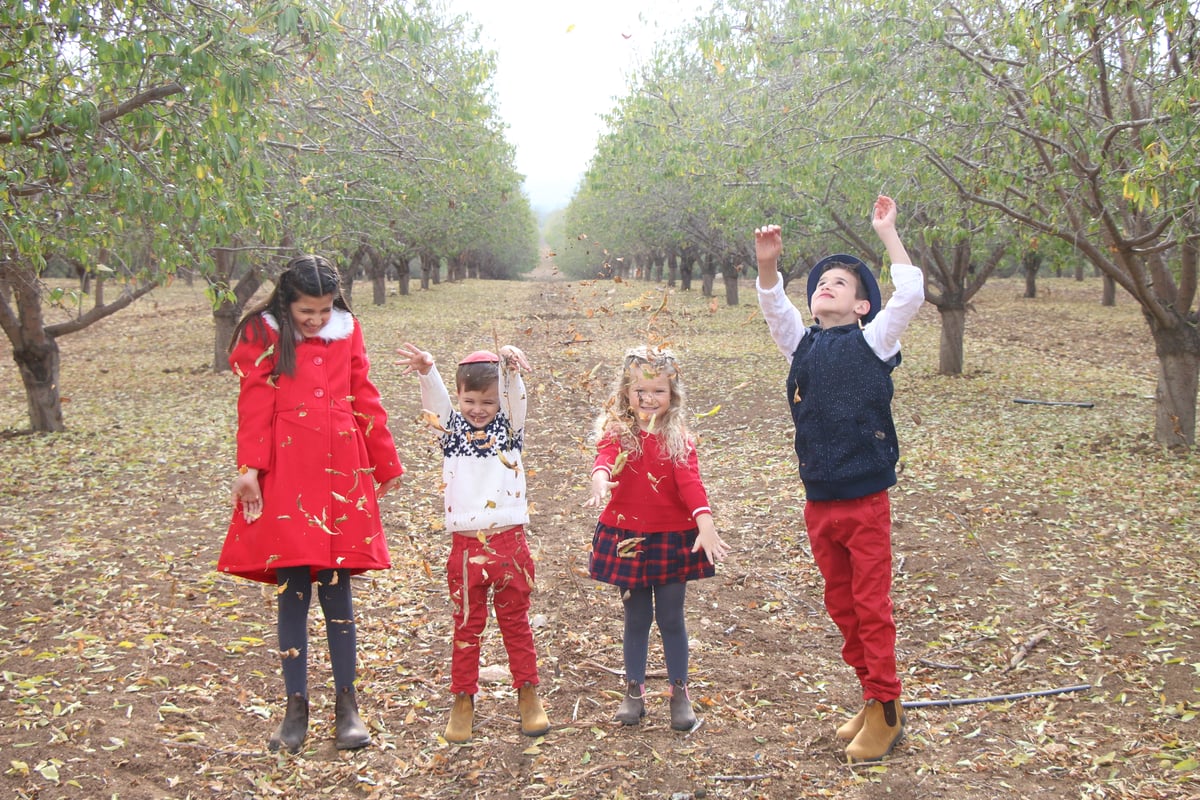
column 653, row 493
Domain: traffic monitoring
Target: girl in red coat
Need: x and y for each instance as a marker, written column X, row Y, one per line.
column 649, row 539
column 312, row 443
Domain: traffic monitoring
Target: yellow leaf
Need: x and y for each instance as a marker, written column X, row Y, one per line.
column 710, row 412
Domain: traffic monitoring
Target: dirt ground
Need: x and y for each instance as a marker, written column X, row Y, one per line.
column 1037, row 549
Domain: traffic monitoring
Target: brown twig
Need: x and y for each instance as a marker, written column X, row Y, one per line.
column 1026, row 649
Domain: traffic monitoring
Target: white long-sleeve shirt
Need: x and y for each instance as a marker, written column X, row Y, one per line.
column 787, row 327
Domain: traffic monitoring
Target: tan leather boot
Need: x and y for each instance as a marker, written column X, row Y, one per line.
column 348, row 726
column 294, row 727
column 850, row 728
column 683, row 717
column 462, row 719
column 633, row 705
column 883, row 725
column 534, row 721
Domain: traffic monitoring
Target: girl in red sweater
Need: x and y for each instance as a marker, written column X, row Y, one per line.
column 656, row 532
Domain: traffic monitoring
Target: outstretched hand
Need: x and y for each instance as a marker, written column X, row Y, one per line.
column 514, row 358
column 768, row 243
column 602, row 486
column 414, row 359
column 883, row 217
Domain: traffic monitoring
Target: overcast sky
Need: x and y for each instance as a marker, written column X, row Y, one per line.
column 561, row 65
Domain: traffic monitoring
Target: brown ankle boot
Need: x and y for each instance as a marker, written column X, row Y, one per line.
column 534, row 721
column 883, row 725
column 348, row 725
column 294, row 727
column 462, row 718
column 633, row 705
column 683, row 718
column 850, row 728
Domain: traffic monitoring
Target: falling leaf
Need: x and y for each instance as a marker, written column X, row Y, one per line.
column 711, row 412
column 618, row 464
column 432, row 420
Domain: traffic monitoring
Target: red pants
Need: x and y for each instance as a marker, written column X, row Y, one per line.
column 505, row 567
column 852, row 544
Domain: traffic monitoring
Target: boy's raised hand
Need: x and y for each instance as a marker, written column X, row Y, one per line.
column 414, row 359
column 884, row 216
column 514, row 358
column 768, row 244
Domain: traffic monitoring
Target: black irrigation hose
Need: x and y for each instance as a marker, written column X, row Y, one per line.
column 1000, row 698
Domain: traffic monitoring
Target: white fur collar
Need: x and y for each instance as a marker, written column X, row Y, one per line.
column 340, row 325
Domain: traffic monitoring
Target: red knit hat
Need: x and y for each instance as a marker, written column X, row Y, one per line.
column 481, row 357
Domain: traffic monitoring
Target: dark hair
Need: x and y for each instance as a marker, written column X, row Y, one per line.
column 860, row 291
column 307, row 275
column 477, row 376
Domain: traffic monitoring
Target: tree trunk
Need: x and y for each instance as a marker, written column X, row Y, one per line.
column 685, row 274
column 228, row 312
column 950, row 351
column 708, row 271
column 1178, row 380
column 672, row 268
column 729, row 272
column 35, row 351
column 225, row 319
column 1108, row 296
column 1030, row 263
column 39, row 366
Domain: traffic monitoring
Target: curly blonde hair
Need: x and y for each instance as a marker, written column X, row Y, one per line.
column 618, row 420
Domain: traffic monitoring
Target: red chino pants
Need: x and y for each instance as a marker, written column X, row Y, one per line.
column 502, row 566
column 852, row 544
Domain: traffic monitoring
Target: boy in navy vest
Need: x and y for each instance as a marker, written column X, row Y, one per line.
column 840, row 393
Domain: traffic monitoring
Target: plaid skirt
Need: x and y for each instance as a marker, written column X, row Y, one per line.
column 634, row 560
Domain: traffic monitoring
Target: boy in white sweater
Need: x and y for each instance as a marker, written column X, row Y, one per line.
column 486, row 511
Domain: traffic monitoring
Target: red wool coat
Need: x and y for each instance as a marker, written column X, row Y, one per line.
column 320, row 441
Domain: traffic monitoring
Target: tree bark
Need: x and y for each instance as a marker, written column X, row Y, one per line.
column 729, row 272
column 950, row 351
column 227, row 313
column 38, row 363
column 672, row 267
column 1178, row 381
column 1108, row 295
column 708, row 271
column 35, row 349
column 1030, row 263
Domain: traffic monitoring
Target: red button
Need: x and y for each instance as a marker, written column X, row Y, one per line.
column 318, row 392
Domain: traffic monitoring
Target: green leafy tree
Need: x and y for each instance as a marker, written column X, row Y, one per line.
column 120, row 121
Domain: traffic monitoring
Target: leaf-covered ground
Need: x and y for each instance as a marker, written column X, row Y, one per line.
column 1036, row 548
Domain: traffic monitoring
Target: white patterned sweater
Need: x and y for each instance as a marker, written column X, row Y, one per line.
column 482, row 471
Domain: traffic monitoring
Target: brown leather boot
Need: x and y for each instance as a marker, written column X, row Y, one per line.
column 850, row 728
column 294, row 727
column 534, row 721
column 683, row 717
column 462, row 719
column 883, row 725
column 348, row 725
column 633, row 705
